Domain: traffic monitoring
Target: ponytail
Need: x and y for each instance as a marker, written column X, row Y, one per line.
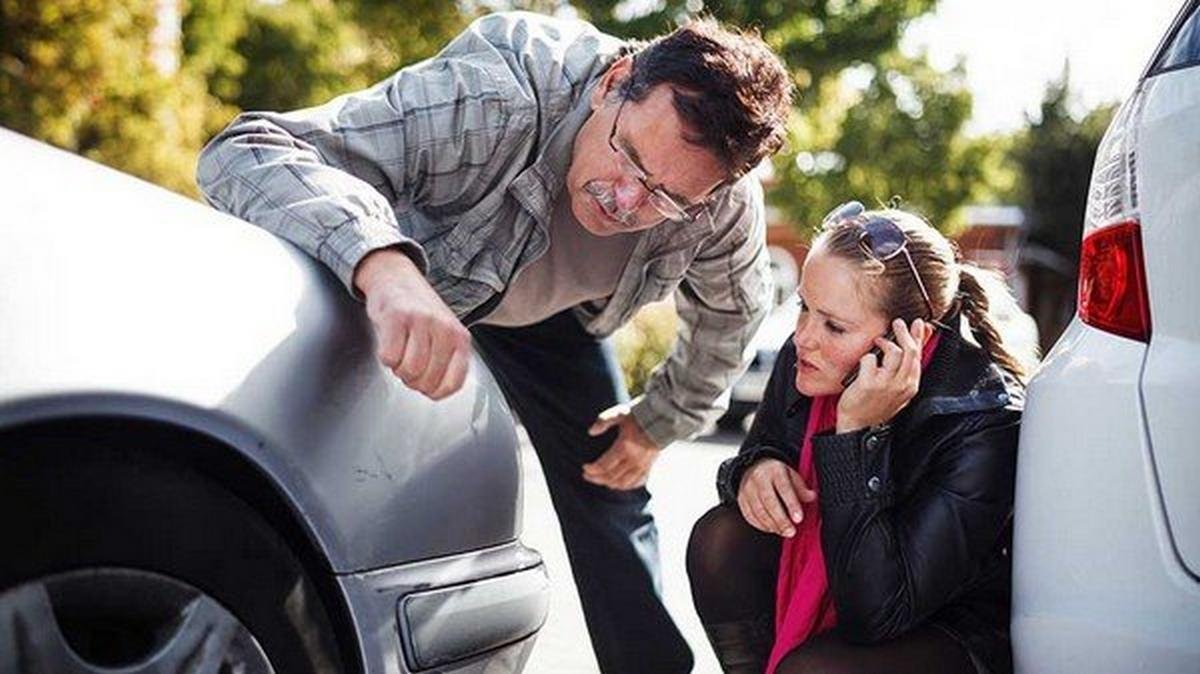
column 979, row 292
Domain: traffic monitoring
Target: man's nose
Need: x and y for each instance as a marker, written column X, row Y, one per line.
column 628, row 194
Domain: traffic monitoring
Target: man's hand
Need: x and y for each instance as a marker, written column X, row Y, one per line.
column 626, row 464
column 418, row 337
column 770, row 495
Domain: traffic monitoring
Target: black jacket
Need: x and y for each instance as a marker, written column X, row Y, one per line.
column 915, row 516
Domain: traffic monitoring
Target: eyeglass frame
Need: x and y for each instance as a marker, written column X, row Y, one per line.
column 855, row 213
column 640, row 175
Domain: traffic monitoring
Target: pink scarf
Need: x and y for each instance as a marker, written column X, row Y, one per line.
column 803, row 605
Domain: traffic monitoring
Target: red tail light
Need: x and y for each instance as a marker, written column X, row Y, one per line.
column 1112, row 281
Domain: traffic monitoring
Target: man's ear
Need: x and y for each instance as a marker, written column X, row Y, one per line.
column 611, row 79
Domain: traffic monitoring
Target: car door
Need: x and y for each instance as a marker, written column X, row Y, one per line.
column 1168, row 160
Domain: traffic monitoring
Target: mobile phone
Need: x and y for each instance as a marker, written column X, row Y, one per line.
column 876, row 351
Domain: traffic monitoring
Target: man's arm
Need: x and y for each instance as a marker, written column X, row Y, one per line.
column 358, row 173
column 350, row 182
column 721, row 301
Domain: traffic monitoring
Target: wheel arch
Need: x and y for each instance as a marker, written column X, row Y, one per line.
column 223, row 463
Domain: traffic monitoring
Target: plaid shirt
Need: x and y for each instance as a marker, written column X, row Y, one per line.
column 457, row 161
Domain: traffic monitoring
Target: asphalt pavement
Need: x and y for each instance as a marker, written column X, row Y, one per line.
column 682, row 489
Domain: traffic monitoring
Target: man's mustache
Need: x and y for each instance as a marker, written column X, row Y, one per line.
column 608, row 202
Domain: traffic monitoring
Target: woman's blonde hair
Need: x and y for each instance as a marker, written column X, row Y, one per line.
column 952, row 284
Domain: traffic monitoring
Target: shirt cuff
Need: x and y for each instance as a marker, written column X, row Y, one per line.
column 729, row 475
column 661, row 428
column 347, row 245
column 854, row 467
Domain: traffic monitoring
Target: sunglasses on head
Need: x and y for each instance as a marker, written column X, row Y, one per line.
column 880, row 238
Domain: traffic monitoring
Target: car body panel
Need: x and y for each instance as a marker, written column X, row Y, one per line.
column 376, row 601
column 1107, row 519
column 1097, row 585
column 1168, row 143
column 120, row 298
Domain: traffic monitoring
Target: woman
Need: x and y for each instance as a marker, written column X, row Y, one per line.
column 864, row 525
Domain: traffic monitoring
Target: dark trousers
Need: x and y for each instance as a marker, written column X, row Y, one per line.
column 733, row 568
column 557, row 378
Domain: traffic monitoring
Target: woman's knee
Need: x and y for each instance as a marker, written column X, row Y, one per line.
column 714, row 541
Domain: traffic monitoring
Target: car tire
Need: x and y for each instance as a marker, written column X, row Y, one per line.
column 111, row 539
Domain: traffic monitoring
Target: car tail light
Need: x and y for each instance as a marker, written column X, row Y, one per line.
column 1112, row 274
column 1112, row 281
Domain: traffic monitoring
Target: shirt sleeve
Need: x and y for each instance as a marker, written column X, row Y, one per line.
column 721, row 301
column 365, row 170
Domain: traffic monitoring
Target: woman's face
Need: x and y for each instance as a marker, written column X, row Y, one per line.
column 838, row 323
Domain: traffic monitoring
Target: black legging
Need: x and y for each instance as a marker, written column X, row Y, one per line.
column 732, row 567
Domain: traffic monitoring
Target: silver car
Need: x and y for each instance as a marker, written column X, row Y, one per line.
column 1106, row 547
column 203, row 467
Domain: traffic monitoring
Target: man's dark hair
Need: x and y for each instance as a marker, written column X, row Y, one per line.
column 731, row 91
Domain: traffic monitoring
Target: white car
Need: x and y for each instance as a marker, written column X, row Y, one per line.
column 1106, row 550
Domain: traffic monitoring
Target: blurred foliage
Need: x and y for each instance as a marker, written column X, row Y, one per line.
column 1055, row 154
column 644, row 342
column 900, row 135
column 87, row 76
column 80, row 74
column 398, row 33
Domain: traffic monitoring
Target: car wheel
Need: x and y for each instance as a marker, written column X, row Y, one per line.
column 118, row 559
column 94, row 620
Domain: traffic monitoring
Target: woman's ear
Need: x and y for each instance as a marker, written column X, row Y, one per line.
column 611, row 79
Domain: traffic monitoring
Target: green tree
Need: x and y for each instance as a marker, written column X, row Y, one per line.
column 81, row 74
column 402, row 33
column 1055, row 155
column 900, row 135
column 816, row 38
column 289, row 54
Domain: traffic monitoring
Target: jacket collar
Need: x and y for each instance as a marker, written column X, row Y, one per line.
column 962, row 378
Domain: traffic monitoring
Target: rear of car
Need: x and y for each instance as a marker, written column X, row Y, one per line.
column 1106, row 551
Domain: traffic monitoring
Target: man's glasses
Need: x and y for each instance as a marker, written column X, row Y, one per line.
column 662, row 202
column 881, row 239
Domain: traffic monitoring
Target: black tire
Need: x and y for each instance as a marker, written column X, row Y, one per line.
column 66, row 508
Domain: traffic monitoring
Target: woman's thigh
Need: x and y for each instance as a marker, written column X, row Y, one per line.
column 925, row 650
column 732, row 567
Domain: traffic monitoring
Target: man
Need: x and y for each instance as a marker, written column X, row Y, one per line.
column 527, row 190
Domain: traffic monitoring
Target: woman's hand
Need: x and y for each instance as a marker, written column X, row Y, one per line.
column 883, row 389
column 770, row 495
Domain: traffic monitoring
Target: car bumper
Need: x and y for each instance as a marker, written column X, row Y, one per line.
column 464, row 614
column 1097, row 586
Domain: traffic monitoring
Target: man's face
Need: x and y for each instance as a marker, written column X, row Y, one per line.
column 607, row 196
